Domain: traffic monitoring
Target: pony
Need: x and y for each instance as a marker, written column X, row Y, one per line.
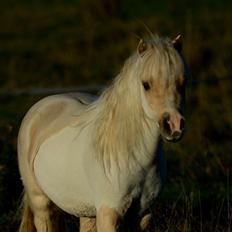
column 101, row 159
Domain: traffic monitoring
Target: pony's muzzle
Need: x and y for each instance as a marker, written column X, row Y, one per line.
column 172, row 126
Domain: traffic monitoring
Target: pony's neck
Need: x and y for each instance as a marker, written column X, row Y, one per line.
column 122, row 130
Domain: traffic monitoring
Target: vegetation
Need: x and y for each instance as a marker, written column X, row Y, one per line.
column 77, row 42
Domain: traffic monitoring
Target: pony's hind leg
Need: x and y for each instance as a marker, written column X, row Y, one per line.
column 39, row 214
column 37, row 209
column 36, row 215
column 42, row 216
column 27, row 221
column 47, row 216
column 42, row 212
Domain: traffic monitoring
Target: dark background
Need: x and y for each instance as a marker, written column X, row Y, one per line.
column 73, row 43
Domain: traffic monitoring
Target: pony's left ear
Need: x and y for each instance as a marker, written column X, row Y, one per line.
column 142, row 47
column 177, row 43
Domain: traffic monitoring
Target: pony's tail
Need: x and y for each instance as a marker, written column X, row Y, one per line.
column 27, row 219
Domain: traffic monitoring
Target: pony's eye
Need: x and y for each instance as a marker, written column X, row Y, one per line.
column 146, row 85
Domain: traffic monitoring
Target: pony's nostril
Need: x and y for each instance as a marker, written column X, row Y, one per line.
column 182, row 124
column 165, row 122
column 166, row 126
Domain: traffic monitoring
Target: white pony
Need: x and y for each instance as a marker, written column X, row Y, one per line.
column 101, row 159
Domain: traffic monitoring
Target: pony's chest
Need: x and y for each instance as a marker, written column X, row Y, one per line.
column 145, row 190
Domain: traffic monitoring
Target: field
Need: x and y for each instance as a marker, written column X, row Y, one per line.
column 84, row 43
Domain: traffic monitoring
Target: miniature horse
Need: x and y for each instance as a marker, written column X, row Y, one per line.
column 99, row 158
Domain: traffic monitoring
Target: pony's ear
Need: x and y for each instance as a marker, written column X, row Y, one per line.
column 142, row 47
column 177, row 43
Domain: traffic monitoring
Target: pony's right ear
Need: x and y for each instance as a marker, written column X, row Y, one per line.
column 177, row 43
column 142, row 47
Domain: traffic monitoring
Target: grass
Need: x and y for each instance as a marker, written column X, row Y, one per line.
column 83, row 43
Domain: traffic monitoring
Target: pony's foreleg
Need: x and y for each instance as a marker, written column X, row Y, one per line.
column 107, row 219
column 145, row 222
column 88, row 224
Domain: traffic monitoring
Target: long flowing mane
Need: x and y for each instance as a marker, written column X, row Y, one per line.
column 121, row 127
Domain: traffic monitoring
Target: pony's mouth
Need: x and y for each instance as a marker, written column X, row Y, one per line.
column 171, row 133
column 177, row 136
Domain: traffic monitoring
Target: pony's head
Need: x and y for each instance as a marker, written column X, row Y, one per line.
column 162, row 78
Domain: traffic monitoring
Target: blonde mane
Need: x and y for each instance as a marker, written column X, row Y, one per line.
column 121, row 127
